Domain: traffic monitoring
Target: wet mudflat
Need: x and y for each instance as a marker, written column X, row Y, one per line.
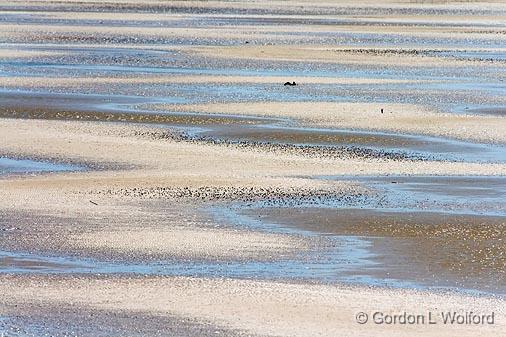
column 501, row 111
column 257, row 131
column 446, row 232
column 411, row 146
column 19, row 166
column 87, row 56
column 216, row 181
column 474, row 195
column 421, row 248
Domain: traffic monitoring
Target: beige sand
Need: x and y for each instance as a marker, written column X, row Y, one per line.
column 260, row 308
column 147, row 200
column 113, row 143
column 91, row 82
column 183, row 167
column 156, row 167
column 200, row 243
column 14, row 53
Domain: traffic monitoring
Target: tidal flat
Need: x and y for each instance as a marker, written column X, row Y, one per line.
column 157, row 176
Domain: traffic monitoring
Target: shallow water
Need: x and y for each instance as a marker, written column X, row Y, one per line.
column 251, row 129
column 306, row 267
column 352, row 256
column 417, row 230
column 415, row 249
column 351, row 261
column 473, row 195
column 17, row 166
column 447, row 89
column 433, row 148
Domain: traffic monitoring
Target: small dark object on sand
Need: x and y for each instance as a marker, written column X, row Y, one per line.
column 291, row 84
column 381, row 110
column 94, row 203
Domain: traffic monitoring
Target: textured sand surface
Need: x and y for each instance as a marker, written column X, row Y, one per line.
column 190, row 242
column 177, row 115
column 13, row 53
column 331, row 54
column 259, row 308
column 73, row 82
column 107, row 143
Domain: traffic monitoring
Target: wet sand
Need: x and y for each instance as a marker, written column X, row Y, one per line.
column 147, row 200
column 13, row 166
column 396, row 118
column 489, row 111
column 402, row 242
column 279, row 133
column 257, row 308
column 214, row 200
